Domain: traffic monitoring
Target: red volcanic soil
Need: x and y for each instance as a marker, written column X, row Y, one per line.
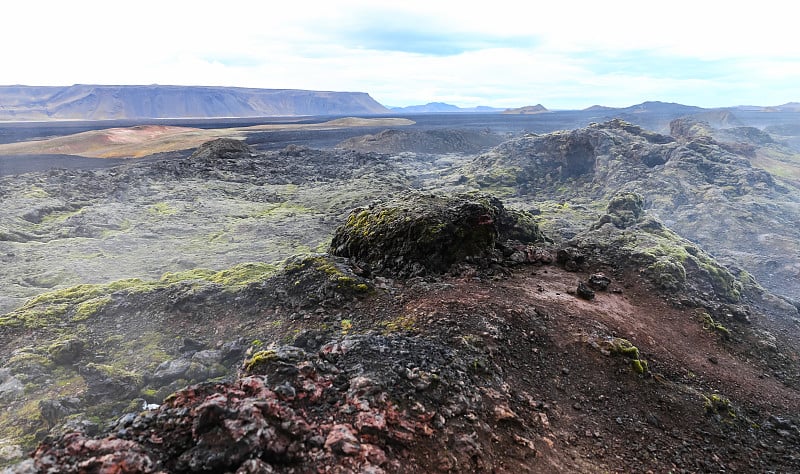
column 543, row 393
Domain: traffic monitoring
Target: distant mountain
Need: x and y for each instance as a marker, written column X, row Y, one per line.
column 527, row 110
column 653, row 115
column 654, row 107
column 787, row 107
column 97, row 102
column 598, row 108
column 442, row 108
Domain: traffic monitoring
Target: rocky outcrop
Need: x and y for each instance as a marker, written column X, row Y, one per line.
column 222, row 148
column 628, row 236
column 419, row 233
column 705, row 189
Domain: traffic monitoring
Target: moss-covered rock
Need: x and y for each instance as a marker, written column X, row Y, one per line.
column 421, row 233
column 67, row 352
column 222, row 148
column 630, row 237
column 625, row 208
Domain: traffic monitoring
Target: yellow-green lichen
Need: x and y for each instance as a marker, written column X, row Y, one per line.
column 54, row 306
column 367, row 223
column 639, row 366
column 715, row 404
column 260, row 360
column 281, row 210
column 623, row 347
column 400, row 323
column 161, row 209
column 238, row 275
column 347, row 326
column 710, row 324
column 116, row 372
column 35, row 192
column 89, row 307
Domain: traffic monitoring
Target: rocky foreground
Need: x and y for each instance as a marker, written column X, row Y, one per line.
column 435, row 332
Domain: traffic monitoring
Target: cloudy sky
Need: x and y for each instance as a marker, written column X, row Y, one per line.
column 565, row 54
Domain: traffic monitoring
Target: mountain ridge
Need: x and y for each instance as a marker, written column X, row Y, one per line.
column 102, row 102
column 443, row 108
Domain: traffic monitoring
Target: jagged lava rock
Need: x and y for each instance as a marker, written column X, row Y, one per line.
column 222, row 148
column 420, row 233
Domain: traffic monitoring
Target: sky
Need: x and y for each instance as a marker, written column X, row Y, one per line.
column 563, row 54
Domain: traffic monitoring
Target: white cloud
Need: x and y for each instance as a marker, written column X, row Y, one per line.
column 503, row 53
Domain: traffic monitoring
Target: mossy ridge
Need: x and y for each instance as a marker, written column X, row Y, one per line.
column 81, row 302
column 674, row 255
column 670, row 260
column 342, row 281
column 238, row 275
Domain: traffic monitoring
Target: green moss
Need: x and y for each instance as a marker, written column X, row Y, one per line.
column 113, row 340
column 725, row 284
column 368, row 223
column 21, row 424
column 35, row 192
column 318, row 262
column 283, row 209
column 53, row 307
column 347, row 326
column 89, row 307
column 35, row 317
column 672, row 250
column 349, row 283
column 400, row 323
column 113, row 371
column 59, row 217
column 260, row 360
column 323, row 246
column 149, row 393
column 238, row 275
column 710, row 324
column 188, row 275
column 343, row 282
column 499, row 180
column 667, row 273
column 623, row 347
column 161, row 209
column 69, row 381
column 639, row 366
column 718, row 405
column 20, row 362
